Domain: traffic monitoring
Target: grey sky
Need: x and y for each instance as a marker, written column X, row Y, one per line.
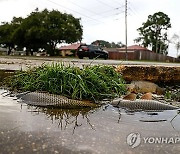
column 101, row 19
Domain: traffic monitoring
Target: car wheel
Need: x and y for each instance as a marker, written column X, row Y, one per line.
column 106, row 57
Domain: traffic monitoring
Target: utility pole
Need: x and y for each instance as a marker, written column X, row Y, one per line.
column 126, row 55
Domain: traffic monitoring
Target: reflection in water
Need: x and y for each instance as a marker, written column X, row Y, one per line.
column 65, row 117
column 75, row 118
column 160, row 120
column 78, row 117
column 31, row 128
column 171, row 121
column 170, row 116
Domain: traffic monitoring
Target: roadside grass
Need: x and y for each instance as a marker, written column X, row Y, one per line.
column 90, row 83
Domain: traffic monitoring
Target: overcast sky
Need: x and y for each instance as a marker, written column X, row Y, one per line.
column 101, row 19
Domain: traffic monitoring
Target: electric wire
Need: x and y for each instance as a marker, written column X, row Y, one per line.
column 92, row 19
column 102, row 2
column 73, row 11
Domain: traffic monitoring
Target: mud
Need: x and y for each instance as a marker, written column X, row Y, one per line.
column 156, row 74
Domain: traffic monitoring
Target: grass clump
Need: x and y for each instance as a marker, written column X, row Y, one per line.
column 92, row 82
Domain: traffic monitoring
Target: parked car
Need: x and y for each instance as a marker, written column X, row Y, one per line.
column 91, row 51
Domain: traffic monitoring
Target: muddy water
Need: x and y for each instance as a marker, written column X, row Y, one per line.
column 28, row 129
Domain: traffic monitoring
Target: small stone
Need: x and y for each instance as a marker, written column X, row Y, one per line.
column 147, row 96
column 130, row 96
column 21, row 148
column 144, row 87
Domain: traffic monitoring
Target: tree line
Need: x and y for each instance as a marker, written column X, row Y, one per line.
column 46, row 29
column 106, row 44
column 40, row 30
column 153, row 33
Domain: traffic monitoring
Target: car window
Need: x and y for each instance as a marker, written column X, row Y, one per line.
column 83, row 47
column 91, row 47
column 94, row 47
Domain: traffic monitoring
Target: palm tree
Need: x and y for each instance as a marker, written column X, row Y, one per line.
column 177, row 47
column 176, row 41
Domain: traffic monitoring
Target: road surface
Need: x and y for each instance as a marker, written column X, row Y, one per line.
column 18, row 63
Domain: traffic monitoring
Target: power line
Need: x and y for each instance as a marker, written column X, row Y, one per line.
column 98, row 21
column 108, row 17
column 96, row 14
column 134, row 10
column 93, row 19
column 73, row 11
column 115, row 9
column 117, row 2
column 83, row 8
column 104, row 3
column 116, row 14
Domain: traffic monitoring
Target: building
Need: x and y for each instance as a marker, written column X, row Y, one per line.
column 69, row 49
column 136, row 52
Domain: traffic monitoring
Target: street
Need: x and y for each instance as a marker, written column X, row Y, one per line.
column 18, row 63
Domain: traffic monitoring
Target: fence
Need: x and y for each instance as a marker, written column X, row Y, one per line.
column 141, row 55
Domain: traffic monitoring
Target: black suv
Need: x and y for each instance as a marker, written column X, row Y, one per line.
column 91, row 51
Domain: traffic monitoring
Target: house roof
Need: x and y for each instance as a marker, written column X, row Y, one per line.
column 134, row 47
column 70, row 47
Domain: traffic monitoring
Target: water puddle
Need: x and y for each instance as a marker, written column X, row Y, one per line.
column 30, row 129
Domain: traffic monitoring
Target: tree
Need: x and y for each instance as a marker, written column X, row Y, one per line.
column 61, row 28
column 107, row 44
column 43, row 29
column 6, row 36
column 7, row 31
column 31, row 33
column 176, row 41
column 153, row 32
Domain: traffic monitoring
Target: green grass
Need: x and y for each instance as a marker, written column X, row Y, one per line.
column 90, row 83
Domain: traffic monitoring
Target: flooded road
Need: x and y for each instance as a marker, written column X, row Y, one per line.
column 28, row 129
